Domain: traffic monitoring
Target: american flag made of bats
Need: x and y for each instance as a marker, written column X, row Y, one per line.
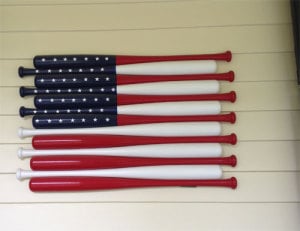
column 75, row 93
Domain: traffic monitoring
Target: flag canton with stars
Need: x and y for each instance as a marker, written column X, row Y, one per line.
column 74, row 121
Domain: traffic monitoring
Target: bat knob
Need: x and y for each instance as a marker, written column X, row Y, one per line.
column 20, row 153
column 19, row 174
column 233, row 140
column 233, row 182
column 22, row 111
column 22, row 91
column 21, row 71
column 232, row 117
column 228, row 56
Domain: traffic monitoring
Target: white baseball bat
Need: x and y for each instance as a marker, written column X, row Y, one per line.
column 153, row 129
column 149, row 172
column 168, row 68
column 190, row 87
column 172, row 108
column 188, row 150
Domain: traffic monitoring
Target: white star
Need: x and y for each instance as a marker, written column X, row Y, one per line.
column 95, row 119
column 74, row 59
column 97, row 79
column 107, row 78
column 69, row 90
column 107, row 99
column 106, row 58
column 73, row 100
column 37, row 121
column 85, row 79
column 40, row 100
column 92, row 70
column 60, row 70
column 102, row 89
column 70, row 70
column 58, row 90
column 53, row 80
column 49, row 121
column 42, row 80
column 95, row 99
column 51, row 100
column 60, row 120
column 36, row 71
column 55, row 59
column 49, row 71
column 83, row 120
column 101, row 109
column 68, row 111
column 84, row 99
column 64, row 80
column 57, row 111
column 97, row 58
column 74, row 80
column 78, row 110
column 113, row 89
column 102, row 69
column 90, row 110
column 80, row 70
column 79, row 90
column 91, row 90
column 86, row 59
column 43, row 59
column 45, row 111
column 47, row 90
column 72, row 120
column 35, row 91
column 62, row 100
column 107, row 119
column 34, row 112
column 65, row 59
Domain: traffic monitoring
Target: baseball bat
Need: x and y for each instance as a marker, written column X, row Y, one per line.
column 179, row 172
column 105, row 141
column 159, row 150
column 91, row 121
column 94, row 101
column 157, row 88
column 153, row 129
column 102, row 80
column 104, row 162
column 161, row 108
column 53, row 184
column 153, row 68
column 57, row 61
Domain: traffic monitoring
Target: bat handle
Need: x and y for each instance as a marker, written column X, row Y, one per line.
column 106, row 183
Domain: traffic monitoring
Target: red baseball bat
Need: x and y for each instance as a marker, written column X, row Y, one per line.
column 93, row 162
column 55, row 61
column 102, row 141
column 106, row 183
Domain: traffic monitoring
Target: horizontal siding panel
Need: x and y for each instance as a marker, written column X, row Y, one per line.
column 247, row 67
column 253, row 187
column 170, row 41
column 273, row 125
column 216, row 216
column 251, row 96
column 251, row 156
column 142, row 16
